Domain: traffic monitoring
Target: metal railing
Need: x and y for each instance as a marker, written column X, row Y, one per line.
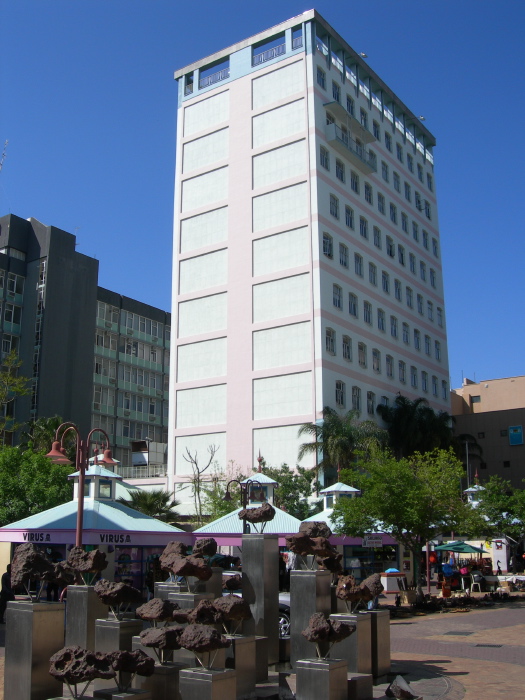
column 188, row 89
column 143, row 472
column 367, row 157
column 297, row 42
column 214, row 78
column 269, row 54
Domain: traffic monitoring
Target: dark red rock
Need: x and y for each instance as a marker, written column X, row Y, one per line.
column 162, row 637
column 300, row 543
column 232, row 583
column 332, row 564
column 373, row 585
column 172, row 549
column 347, row 589
column 64, row 574
column 205, row 547
column 76, row 665
column 205, row 613
column 181, row 616
column 263, row 514
column 321, row 547
column 116, row 593
column 92, row 562
column 191, row 566
column 200, row 639
column 233, row 607
column 341, row 630
column 132, row 662
column 321, row 629
column 157, row 610
column 315, row 529
column 29, row 564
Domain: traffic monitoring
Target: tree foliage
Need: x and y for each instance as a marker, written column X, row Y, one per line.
column 413, row 426
column 294, row 488
column 30, row 483
column 413, row 499
column 338, row 437
column 502, row 508
column 11, row 387
column 39, row 435
column 199, row 477
column 213, row 503
column 156, row 503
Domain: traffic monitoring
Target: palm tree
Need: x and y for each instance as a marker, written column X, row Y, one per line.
column 337, row 438
column 156, row 503
column 413, row 426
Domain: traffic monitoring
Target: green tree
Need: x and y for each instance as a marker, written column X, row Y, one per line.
column 413, row 499
column 39, row 435
column 293, row 489
column 11, row 387
column 30, row 483
column 413, row 426
column 199, row 477
column 156, row 503
column 337, row 439
column 213, row 503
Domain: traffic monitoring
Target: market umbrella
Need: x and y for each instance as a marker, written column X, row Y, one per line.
column 460, row 548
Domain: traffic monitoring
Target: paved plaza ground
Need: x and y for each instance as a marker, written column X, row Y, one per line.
column 479, row 655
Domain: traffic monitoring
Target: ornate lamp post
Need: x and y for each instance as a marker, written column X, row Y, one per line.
column 58, row 455
column 244, row 487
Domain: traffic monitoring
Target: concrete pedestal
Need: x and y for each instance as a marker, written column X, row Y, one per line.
column 241, row 657
column 163, row 684
column 201, row 684
column 189, row 600
column 260, row 576
column 321, row 678
column 34, row 632
column 261, row 659
column 183, row 657
column 357, row 648
column 84, row 608
column 115, row 694
column 380, row 620
column 309, row 593
column 162, row 590
column 360, row 686
column 113, row 635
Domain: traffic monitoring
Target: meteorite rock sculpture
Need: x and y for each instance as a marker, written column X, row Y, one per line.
column 232, row 583
column 30, row 564
column 315, row 529
column 163, row 641
column 203, row 640
column 332, row 563
column 157, row 610
column 128, row 664
column 190, row 566
column 258, row 516
column 74, row 665
column 171, row 550
column 206, row 547
column 233, row 610
column 325, row 630
column 367, row 590
column 87, row 564
column 303, row 544
column 205, row 613
column 117, row 596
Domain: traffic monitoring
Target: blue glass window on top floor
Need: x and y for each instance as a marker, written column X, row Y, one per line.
column 214, row 73
column 268, row 49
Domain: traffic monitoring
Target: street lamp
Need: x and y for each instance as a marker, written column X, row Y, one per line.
column 244, row 487
column 58, row 456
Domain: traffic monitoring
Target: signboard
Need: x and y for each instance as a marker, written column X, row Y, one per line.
column 373, row 541
column 515, row 435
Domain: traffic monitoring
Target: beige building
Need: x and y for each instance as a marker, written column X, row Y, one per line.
column 493, row 412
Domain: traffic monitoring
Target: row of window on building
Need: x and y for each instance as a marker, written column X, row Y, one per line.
column 132, row 321
column 105, row 367
column 133, row 348
column 15, row 283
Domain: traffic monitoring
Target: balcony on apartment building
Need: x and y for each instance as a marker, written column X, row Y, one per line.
column 350, row 149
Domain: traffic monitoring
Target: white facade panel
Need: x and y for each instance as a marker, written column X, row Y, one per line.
column 198, row 445
column 203, row 272
column 279, row 123
column 279, row 164
column 280, row 446
column 205, row 189
column 281, row 251
column 206, row 113
column 282, row 346
column 204, row 315
column 278, row 84
column 280, row 207
column 203, row 406
column 205, row 229
column 206, row 150
column 281, row 298
column 201, row 360
column 278, row 397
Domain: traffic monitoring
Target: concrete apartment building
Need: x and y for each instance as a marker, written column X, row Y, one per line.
column 307, row 266
column 94, row 357
column 493, row 412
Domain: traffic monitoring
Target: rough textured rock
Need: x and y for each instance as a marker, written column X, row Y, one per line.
column 322, row 630
column 233, row 607
column 157, row 610
column 132, row 662
column 399, row 688
column 367, row 589
column 171, row 550
column 200, row 638
column 162, row 637
column 373, row 584
column 332, row 564
column 191, row 566
column 116, row 593
column 29, row 563
column 76, row 665
column 263, row 514
column 321, row 547
column 206, row 547
column 64, row 574
column 87, row 562
column 181, row 616
column 315, row 529
column 300, row 543
column 232, row 583
column 205, row 613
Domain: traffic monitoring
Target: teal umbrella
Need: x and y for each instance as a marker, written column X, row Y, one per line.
column 459, row 548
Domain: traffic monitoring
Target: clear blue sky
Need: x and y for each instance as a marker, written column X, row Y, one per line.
column 88, row 103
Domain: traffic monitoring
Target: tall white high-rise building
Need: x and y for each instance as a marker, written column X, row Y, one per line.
column 307, row 266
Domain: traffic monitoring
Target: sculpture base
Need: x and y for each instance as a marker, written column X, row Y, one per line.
column 189, row 600
column 84, row 608
column 112, row 635
column 360, row 686
column 380, row 622
column 261, row 659
column 322, row 678
column 241, row 657
column 163, row 684
column 309, row 594
column 207, row 684
column 162, row 590
column 116, row 694
column 356, row 649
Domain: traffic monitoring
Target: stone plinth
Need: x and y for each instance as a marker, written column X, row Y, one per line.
column 356, row 649
column 380, row 620
column 116, row 635
column 84, row 608
column 204, row 684
column 322, row 678
column 309, row 593
column 241, row 657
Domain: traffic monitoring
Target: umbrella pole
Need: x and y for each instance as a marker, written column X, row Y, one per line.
column 428, row 569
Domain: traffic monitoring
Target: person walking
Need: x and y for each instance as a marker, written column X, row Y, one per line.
column 6, row 594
